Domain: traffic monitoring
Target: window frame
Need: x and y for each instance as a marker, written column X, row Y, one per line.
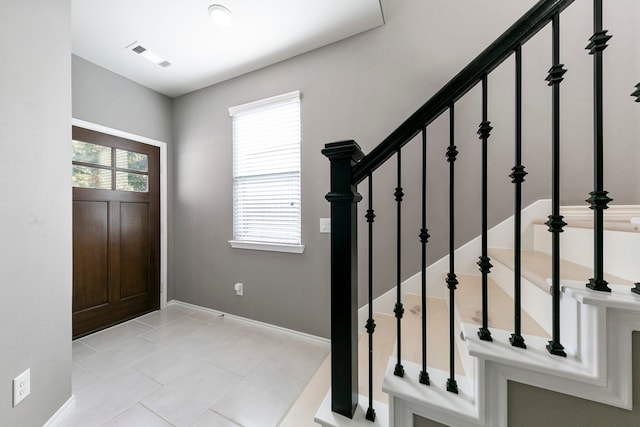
column 258, row 245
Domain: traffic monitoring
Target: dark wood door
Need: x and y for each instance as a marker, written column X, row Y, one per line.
column 116, row 230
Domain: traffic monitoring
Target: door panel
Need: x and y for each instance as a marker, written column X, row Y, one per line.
column 135, row 253
column 116, row 230
column 90, row 249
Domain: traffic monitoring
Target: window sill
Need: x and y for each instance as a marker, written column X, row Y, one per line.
column 270, row 247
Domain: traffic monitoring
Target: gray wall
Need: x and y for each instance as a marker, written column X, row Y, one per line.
column 532, row 406
column 361, row 89
column 35, row 231
column 358, row 89
column 108, row 99
column 103, row 97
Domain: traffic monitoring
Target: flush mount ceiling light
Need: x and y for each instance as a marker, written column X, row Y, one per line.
column 220, row 15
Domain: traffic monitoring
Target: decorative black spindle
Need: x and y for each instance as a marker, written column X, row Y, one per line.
column 517, row 177
column 599, row 199
column 399, row 309
column 555, row 222
column 424, row 238
column 452, row 281
column 485, row 261
column 636, row 93
column 371, row 325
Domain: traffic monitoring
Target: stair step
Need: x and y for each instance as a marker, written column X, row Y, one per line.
column 536, row 267
column 301, row 412
column 620, row 246
column 626, row 226
column 437, row 333
column 468, row 303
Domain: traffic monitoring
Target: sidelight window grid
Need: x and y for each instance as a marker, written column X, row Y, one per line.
column 266, row 174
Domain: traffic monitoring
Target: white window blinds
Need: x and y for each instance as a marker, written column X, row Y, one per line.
column 266, row 171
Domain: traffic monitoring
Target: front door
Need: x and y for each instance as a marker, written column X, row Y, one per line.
column 116, row 230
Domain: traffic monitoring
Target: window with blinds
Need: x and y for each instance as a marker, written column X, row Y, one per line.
column 266, row 174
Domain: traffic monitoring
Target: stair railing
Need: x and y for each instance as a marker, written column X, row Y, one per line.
column 349, row 167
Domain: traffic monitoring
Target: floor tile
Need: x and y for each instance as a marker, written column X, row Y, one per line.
column 242, row 353
column 113, row 361
column 176, row 331
column 217, row 333
column 298, row 357
column 174, row 362
column 116, row 335
column 261, row 398
column 81, row 379
column 205, row 316
column 213, row 419
column 137, row 416
column 162, row 317
column 104, row 400
column 183, row 400
column 187, row 367
column 80, row 351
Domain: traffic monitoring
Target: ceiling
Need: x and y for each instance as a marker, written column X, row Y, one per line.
column 201, row 53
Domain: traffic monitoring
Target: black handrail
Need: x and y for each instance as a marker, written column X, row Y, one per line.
column 525, row 28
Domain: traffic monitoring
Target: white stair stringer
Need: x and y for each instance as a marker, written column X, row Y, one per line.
column 408, row 397
column 598, row 366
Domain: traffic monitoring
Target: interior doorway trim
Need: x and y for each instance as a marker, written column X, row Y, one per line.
column 163, row 192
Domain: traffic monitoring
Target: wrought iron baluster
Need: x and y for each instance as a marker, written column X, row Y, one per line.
column 517, row 177
column 485, row 263
column 599, row 199
column 636, row 93
column 371, row 325
column 452, row 281
column 424, row 238
column 399, row 309
column 555, row 222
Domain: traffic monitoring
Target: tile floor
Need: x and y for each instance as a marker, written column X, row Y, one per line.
column 186, row 367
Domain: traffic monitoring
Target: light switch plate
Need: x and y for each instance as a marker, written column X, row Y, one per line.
column 325, row 225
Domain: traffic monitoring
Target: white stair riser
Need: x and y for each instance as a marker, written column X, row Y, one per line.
column 621, row 249
column 468, row 362
column 535, row 301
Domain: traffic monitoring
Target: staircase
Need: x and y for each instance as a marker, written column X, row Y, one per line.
column 545, row 298
column 598, row 364
column 599, row 369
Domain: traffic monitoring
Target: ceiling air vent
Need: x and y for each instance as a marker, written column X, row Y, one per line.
column 151, row 56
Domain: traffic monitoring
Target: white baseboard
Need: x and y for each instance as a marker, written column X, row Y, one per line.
column 287, row 331
column 60, row 412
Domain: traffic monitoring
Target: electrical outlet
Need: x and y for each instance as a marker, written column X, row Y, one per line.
column 239, row 287
column 21, row 387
